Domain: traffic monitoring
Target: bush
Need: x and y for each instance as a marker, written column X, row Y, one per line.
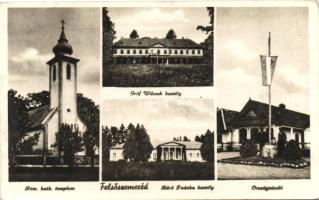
column 292, row 151
column 248, row 148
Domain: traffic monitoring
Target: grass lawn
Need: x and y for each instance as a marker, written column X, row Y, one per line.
column 274, row 162
column 158, row 76
column 53, row 174
column 123, row 171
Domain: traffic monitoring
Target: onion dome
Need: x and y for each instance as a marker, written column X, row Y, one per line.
column 63, row 47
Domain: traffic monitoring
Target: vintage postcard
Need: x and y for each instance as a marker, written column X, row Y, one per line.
column 159, row 100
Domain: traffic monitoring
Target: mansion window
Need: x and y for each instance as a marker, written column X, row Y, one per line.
column 190, row 155
column 175, row 52
column 122, row 51
column 197, row 155
column 141, row 51
column 114, row 155
column 128, row 51
column 115, row 51
column 198, row 51
column 182, row 51
column 165, row 52
column 186, row 51
column 193, row 51
column 54, row 73
column 169, row 51
column 154, row 155
column 158, row 51
column 146, row 51
column 68, row 72
column 134, row 51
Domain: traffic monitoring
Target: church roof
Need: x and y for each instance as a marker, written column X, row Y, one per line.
column 147, row 42
column 37, row 117
column 63, row 47
column 255, row 113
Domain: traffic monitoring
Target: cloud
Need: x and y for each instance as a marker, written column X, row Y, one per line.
column 29, row 62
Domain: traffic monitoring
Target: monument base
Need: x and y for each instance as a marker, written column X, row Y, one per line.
column 269, row 151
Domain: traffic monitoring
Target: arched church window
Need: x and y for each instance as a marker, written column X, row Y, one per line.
column 54, row 73
column 68, row 71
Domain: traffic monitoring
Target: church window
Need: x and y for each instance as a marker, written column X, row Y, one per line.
column 68, row 72
column 54, row 73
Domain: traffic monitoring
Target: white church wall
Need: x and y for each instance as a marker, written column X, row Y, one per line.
column 53, row 128
column 54, row 86
column 68, row 98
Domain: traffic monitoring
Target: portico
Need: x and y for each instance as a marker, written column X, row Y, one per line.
column 172, row 152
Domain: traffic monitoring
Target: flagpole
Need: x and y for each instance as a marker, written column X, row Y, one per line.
column 269, row 93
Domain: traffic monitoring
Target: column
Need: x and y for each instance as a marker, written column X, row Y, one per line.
column 162, row 158
column 248, row 133
column 175, row 153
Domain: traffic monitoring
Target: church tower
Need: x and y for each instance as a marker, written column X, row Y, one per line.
column 63, row 81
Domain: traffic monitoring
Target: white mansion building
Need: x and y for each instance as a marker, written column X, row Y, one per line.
column 157, row 51
column 169, row 151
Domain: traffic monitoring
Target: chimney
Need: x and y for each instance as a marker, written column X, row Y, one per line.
column 282, row 106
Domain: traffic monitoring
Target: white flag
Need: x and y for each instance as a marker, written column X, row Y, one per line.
column 268, row 64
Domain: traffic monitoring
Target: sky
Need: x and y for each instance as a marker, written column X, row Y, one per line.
column 163, row 119
column 155, row 22
column 33, row 32
column 241, row 37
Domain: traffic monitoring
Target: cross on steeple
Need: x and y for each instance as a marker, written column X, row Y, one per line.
column 62, row 22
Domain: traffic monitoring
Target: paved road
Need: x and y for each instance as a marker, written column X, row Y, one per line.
column 234, row 171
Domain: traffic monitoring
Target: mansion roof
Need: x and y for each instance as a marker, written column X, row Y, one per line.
column 255, row 113
column 147, row 42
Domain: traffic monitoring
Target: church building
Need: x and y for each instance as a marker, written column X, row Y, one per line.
column 233, row 127
column 163, row 51
column 62, row 80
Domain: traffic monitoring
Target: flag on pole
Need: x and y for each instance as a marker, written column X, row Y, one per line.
column 268, row 64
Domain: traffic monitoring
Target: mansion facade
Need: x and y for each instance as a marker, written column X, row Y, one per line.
column 233, row 127
column 157, row 51
column 188, row 151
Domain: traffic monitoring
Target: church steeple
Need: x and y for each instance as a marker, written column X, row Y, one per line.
column 63, row 47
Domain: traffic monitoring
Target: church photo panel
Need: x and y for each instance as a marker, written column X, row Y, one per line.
column 53, row 96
